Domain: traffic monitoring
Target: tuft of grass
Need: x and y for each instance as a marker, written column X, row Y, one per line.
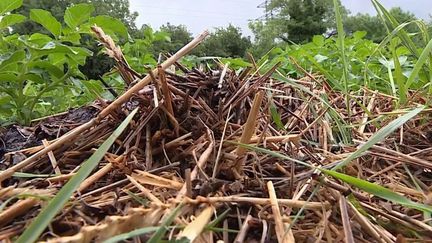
column 341, row 44
column 32, row 233
column 364, row 185
column 374, row 189
column 380, row 136
column 397, row 35
column 344, row 131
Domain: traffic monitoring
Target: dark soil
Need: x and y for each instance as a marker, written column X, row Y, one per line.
column 17, row 137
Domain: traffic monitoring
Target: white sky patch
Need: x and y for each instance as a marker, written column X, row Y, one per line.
column 199, row 15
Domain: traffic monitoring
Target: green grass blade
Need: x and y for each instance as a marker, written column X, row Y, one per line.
column 157, row 236
column 32, row 233
column 340, row 122
column 388, row 39
column 131, row 234
column 380, row 136
column 144, row 202
column 391, row 23
column 424, row 56
column 276, row 116
column 377, row 190
column 30, row 175
column 391, row 79
column 341, row 42
column 5, row 203
column 400, row 78
column 272, row 153
column 217, row 220
column 366, row 186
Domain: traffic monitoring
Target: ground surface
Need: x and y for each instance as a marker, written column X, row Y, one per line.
column 182, row 148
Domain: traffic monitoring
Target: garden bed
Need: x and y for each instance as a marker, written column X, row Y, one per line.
column 219, row 154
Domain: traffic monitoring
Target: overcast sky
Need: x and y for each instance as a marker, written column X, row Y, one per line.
column 199, row 15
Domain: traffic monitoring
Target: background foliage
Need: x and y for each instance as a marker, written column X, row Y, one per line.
column 50, row 61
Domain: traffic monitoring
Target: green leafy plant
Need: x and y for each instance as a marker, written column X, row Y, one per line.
column 140, row 53
column 40, row 73
column 400, row 64
column 37, row 70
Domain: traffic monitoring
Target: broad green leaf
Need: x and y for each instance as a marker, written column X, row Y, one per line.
column 162, row 36
column 318, row 40
column 8, row 77
column 46, row 65
column 33, row 231
column 329, row 75
column 148, row 33
column 55, row 47
column 72, row 37
column 110, row 25
column 236, row 62
column 11, row 19
column 359, row 34
column 46, row 19
column 378, row 190
column 78, row 14
column 9, row 5
column 57, row 59
column 380, row 136
column 320, row 58
column 15, row 58
column 34, row 77
column 38, row 39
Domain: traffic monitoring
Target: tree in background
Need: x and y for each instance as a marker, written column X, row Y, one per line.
column 374, row 26
column 292, row 21
column 225, row 42
column 265, row 39
column 97, row 64
column 118, row 9
column 299, row 20
column 296, row 20
column 179, row 36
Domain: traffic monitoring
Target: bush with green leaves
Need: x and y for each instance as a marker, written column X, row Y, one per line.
column 140, row 53
column 322, row 55
column 40, row 72
column 398, row 65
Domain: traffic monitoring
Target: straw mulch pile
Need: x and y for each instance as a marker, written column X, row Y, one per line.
column 182, row 148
